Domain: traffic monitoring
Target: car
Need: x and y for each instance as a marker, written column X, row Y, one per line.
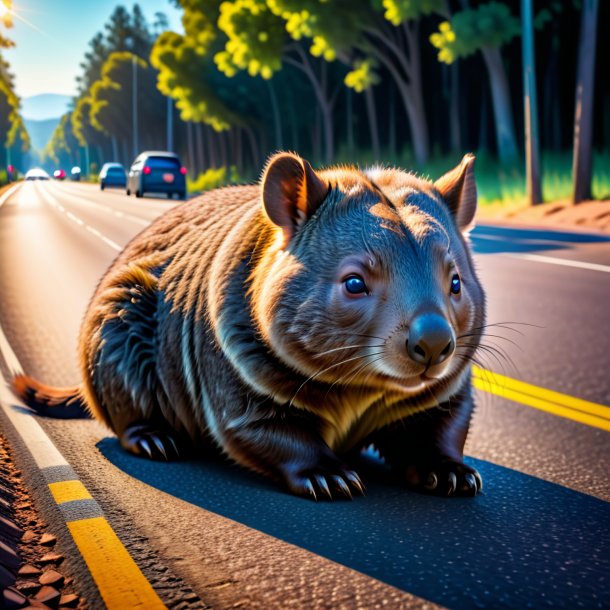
column 112, row 174
column 157, row 172
column 59, row 174
column 36, row 173
column 75, row 173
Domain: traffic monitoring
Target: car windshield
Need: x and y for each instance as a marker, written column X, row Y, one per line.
column 117, row 171
column 162, row 163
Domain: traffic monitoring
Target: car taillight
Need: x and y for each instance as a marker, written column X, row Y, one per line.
column 146, row 170
column 183, row 171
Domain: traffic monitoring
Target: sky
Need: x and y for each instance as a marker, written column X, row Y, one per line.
column 51, row 38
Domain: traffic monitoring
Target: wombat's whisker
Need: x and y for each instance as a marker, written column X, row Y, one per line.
column 328, row 368
column 485, row 335
column 358, row 370
column 336, row 349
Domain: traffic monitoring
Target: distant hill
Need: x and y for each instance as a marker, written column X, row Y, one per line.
column 44, row 106
column 40, row 131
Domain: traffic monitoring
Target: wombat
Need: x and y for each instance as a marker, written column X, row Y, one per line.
column 342, row 312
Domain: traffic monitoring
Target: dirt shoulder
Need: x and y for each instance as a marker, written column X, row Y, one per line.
column 589, row 215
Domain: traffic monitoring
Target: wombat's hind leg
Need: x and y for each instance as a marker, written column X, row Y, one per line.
column 147, row 440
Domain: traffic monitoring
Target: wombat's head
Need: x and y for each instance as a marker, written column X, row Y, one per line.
column 370, row 280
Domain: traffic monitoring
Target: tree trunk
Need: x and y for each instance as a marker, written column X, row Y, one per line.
column 530, row 99
column 277, row 118
column 324, row 103
column 503, row 114
column 222, row 145
column 369, row 98
column 349, row 122
column 190, row 149
column 392, row 123
column 409, row 85
column 582, row 168
column 454, row 108
column 253, row 148
column 115, row 149
column 483, row 140
column 200, row 154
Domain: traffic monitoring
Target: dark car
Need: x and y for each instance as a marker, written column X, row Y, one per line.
column 112, row 174
column 157, row 172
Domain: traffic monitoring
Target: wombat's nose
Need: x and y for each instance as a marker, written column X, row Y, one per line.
column 431, row 339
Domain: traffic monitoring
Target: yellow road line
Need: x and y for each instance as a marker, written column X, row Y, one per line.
column 67, row 491
column 563, row 405
column 120, row 581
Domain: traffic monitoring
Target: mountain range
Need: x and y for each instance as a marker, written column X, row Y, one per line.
column 41, row 114
column 44, row 106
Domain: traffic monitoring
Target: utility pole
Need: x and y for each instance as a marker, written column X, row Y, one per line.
column 170, row 124
column 134, row 101
column 530, row 99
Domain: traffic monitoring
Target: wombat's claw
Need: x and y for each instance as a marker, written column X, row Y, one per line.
column 451, row 478
column 323, row 485
column 148, row 442
column 355, row 482
column 341, row 485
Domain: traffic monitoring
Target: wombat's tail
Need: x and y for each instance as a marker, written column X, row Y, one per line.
column 60, row 403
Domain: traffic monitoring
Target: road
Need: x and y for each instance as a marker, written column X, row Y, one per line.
column 537, row 537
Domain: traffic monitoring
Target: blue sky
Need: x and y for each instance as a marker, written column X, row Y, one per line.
column 52, row 37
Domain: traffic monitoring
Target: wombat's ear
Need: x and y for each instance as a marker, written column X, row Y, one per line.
column 292, row 192
column 459, row 191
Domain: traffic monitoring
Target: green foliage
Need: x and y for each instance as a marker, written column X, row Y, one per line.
column 110, row 95
column 363, row 75
column 212, row 178
column 255, row 36
column 490, row 25
column 333, row 27
column 399, row 11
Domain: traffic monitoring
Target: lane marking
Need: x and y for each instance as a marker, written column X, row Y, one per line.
column 107, row 208
column 562, row 405
column 120, row 581
column 564, row 262
column 7, row 194
column 118, row 578
column 68, row 491
column 51, row 200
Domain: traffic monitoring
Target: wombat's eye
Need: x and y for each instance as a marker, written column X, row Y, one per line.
column 354, row 284
column 456, row 284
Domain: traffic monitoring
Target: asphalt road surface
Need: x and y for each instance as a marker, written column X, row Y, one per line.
column 537, row 536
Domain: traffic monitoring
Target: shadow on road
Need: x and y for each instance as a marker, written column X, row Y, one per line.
column 487, row 239
column 523, row 543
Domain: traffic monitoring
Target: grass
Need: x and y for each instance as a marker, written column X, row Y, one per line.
column 497, row 184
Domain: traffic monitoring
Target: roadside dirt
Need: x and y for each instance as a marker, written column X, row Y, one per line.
column 589, row 215
column 28, row 554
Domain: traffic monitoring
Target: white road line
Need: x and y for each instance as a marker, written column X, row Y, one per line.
column 105, row 239
column 8, row 193
column 52, row 201
column 538, row 258
column 107, row 208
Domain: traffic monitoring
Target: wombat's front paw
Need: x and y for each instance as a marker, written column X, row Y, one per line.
column 445, row 477
column 326, row 480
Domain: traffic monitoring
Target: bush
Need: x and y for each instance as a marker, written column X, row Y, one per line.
column 211, row 179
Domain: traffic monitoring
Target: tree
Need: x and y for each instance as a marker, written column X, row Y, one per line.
column 583, row 115
column 485, row 29
column 110, row 95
